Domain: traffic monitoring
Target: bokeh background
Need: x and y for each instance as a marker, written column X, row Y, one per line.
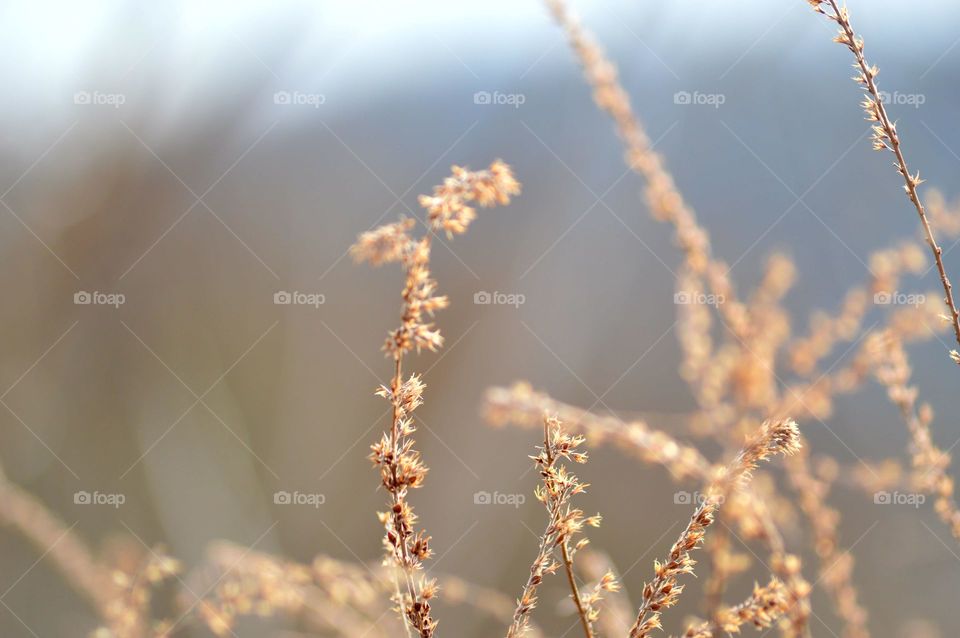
column 197, row 158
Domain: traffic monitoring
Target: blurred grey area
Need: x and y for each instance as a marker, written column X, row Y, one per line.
column 198, row 158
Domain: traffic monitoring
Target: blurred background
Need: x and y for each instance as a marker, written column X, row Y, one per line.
column 182, row 163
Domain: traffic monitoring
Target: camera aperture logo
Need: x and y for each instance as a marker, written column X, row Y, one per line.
column 496, row 498
column 299, row 98
column 495, row 298
column 693, row 498
column 311, row 499
column 897, row 298
column 913, row 499
column 297, row 298
column 689, row 297
column 97, row 298
column 99, row 498
column 916, row 100
column 686, row 98
column 98, row 98
column 516, row 100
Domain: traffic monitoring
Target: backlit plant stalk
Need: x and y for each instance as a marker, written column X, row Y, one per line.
column 930, row 463
column 777, row 437
column 762, row 609
column 885, row 137
column 523, row 406
column 564, row 522
column 664, row 199
column 401, row 467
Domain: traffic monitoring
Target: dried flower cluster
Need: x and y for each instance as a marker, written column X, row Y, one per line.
column 563, row 524
column 764, row 606
column 401, row 468
column 617, row 609
column 448, row 210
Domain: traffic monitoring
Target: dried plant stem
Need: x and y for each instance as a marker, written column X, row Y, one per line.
column 783, row 565
column 401, row 468
column 564, row 522
column 885, row 137
column 814, row 399
column 930, row 463
column 521, row 405
column 399, row 597
column 664, row 199
column 524, row 407
column 722, row 561
column 402, row 520
column 329, row 594
column 777, row 437
column 836, row 566
column 667, row 203
column 568, row 556
column 827, row 330
column 56, row 541
column 414, row 591
column 574, row 590
column 617, row 609
column 528, row 597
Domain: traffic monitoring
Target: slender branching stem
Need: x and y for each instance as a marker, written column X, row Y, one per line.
column 574, row 590
column 885, row 136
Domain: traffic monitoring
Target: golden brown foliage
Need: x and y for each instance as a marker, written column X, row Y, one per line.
column 401, row 467
column 761, row 610
column 885, row 137
column 563, row 523
column 930, row 463
column 734, row 381
column 778, row 437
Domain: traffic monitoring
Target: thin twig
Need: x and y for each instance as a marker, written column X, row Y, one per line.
column 885, row 137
